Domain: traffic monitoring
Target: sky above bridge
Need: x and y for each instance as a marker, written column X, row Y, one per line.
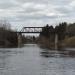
column 37, row 12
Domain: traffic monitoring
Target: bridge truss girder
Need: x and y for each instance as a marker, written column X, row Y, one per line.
column 31, row 30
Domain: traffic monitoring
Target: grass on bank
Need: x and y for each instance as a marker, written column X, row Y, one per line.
column 70, row 42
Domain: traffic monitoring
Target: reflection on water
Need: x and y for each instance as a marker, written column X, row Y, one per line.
column 58, row 53
column 33, row 60
column 5, row 59
column 58, row 62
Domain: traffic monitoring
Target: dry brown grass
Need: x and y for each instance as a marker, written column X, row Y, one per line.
column 70, row 42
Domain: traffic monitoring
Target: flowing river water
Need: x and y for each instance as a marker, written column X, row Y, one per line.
column 34, row 60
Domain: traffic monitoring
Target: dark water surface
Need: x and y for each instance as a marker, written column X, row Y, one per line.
column 33, row 60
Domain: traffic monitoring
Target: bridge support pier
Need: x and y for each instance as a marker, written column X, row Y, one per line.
column 19, row 39
column 56, row 41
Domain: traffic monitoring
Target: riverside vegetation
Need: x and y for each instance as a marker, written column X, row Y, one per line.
column 65, row 32
column 8, row 37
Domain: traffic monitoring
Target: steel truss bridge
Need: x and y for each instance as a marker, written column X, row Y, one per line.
column 31, row 30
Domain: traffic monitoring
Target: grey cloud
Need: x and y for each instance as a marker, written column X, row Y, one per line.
column 35, row 17
column 58, row 2
column 63, row 10
column 6, row 4
column 36, row 10
column 61, row 2
column 68, row 12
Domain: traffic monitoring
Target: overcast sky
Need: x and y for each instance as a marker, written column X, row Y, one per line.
column 37, row 12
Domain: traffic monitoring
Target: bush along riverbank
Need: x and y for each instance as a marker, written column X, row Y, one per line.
column 70, row 42
column 8, row 38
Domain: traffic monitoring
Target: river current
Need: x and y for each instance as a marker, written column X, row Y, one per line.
column 34, row 60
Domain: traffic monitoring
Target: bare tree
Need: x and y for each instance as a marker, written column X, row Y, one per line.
column 5, row 24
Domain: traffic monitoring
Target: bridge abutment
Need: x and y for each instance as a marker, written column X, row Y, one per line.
column 19, row 36
column 56, row 41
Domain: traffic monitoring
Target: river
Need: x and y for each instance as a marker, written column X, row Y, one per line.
column 34, row 60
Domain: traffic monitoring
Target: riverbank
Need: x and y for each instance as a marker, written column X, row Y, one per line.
column 8, row 38
column 68, row 42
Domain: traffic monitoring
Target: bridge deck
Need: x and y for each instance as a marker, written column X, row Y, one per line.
column 27, row 32
column 33, row 27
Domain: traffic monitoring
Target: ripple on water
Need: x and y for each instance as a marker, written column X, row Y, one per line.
column 33, row 60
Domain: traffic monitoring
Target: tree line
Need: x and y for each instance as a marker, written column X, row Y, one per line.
column 49, row 31
column 65, row 32
column 62, row 29
column 8, row 38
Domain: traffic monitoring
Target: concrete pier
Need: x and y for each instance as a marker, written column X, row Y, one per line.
column 56, row 41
